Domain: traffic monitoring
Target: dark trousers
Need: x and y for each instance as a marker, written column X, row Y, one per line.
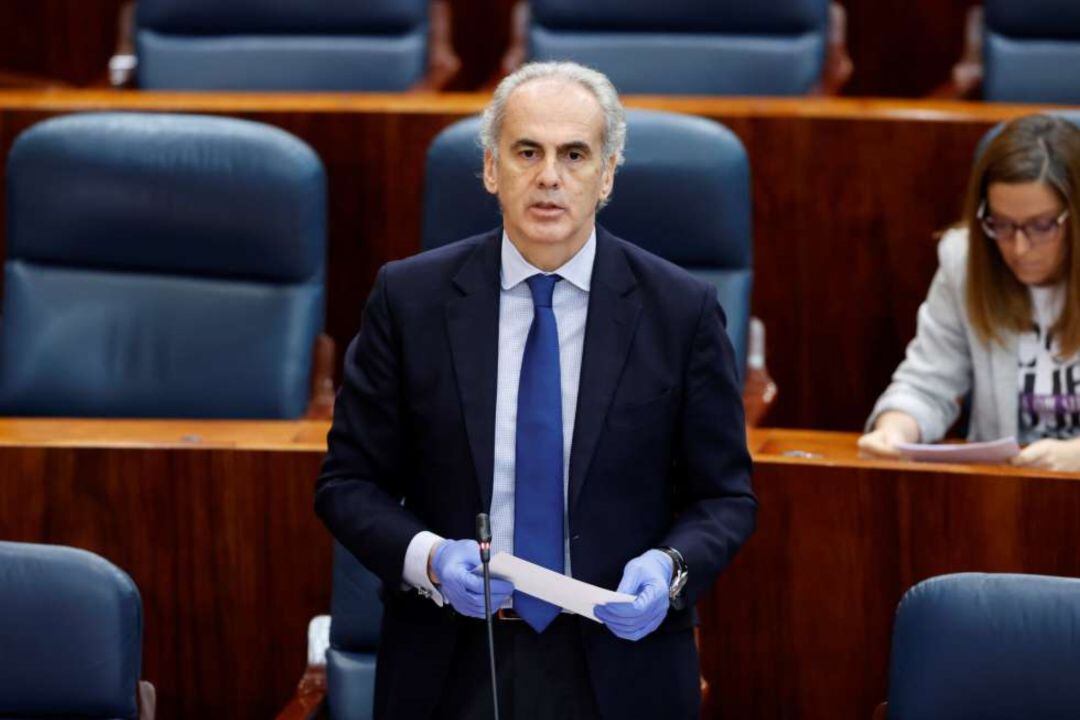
column 540, row 676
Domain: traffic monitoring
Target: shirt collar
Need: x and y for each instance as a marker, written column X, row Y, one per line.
column 577, row 270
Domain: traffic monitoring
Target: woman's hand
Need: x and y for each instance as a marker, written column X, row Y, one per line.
column 1061, row 455
column 890, row 428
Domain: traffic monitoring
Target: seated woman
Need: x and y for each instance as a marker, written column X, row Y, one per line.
column 1002, row 318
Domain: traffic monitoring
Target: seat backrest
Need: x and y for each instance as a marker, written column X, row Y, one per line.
column 71, row 633
column 987, row 646
column 161, row 266
column 1030, row 50
column 703, row 47
column 376, row 45
column 683, row 194
column 356, row 614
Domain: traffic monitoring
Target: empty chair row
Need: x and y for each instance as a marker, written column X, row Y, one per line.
column 174, row 266
column 791, row 47
column 968, row 645
column 794, row 47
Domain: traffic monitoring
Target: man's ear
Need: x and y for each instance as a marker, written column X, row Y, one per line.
column 607, row 181
column 491, row 183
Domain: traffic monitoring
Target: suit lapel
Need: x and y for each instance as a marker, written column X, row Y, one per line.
column 472, row 321
column 613, row 316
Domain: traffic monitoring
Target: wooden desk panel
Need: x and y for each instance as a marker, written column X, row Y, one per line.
column 800, row 625
column 847, row 196
column 220, row 538
column 231, row 562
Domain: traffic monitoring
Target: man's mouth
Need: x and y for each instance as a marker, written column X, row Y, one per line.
column 546, row 209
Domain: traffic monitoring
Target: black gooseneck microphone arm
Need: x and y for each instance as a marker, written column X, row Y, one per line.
column 483, row 538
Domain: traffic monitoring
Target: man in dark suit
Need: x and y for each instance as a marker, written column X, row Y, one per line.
column 580, row 390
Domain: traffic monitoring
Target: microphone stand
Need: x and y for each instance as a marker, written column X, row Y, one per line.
column 483, row 539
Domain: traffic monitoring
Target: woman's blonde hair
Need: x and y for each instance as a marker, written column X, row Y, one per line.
column 1035, row 148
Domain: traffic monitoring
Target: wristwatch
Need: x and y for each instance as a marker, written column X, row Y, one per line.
column 679, row 575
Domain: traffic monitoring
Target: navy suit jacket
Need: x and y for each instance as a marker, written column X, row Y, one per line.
column 658, row 455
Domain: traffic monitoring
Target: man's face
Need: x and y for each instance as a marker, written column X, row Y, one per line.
column 549, row 174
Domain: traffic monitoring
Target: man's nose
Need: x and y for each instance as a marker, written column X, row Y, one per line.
column 549, row 174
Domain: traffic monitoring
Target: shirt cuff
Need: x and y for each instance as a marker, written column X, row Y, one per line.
column 416, row 563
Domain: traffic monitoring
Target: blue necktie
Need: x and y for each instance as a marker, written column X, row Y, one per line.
column 538, row 482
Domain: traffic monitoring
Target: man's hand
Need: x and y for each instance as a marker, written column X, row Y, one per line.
column 1061, row 455
column 456, row 570
column 647, row 577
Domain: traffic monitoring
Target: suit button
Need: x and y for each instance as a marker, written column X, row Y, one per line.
column 575, row 538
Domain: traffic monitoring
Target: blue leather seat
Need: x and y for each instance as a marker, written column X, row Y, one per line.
column 704, row 47
column 683, row 194
column 1030, row 51
column 376, row 45
column 356, row 613
column 992, row 647
column 161, row 266
column 71, row 633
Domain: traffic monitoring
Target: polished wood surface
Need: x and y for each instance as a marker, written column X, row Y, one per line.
column 848, row 194
column 214, row 523
column 799, row 626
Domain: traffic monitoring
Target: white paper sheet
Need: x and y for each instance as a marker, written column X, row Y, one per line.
column 555, row 588
column 995, row 451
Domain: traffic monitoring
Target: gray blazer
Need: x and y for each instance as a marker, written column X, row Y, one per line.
column 946, row 360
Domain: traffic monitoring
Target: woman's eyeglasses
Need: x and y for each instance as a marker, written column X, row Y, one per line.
column 1037, row 231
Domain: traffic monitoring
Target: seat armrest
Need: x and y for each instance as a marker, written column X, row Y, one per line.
column 146, row 700
column 123, row 62
column 759, row 390
column 838, row 65
column 321, row 402
column 517, row 49
column 310, row 699
column 443, row 62
column 965, row 81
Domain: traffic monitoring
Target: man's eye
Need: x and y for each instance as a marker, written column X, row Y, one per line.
column 528, row 154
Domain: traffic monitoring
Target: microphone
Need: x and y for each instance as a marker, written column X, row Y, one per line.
column 483, row 539
column 483, row 536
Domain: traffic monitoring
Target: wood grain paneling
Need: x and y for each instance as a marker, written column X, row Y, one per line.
column 66, row 41
column 903, row 48
column 847, row 197
column 225, row 548
column 800, row 624
column 231, row 561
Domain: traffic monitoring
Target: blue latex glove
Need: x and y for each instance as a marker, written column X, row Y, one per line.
column 647, row 577
column 461, row 581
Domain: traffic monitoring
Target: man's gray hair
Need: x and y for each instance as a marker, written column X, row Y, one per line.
column 614, row 136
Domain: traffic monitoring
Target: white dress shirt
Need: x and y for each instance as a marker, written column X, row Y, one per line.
column 570, row 303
